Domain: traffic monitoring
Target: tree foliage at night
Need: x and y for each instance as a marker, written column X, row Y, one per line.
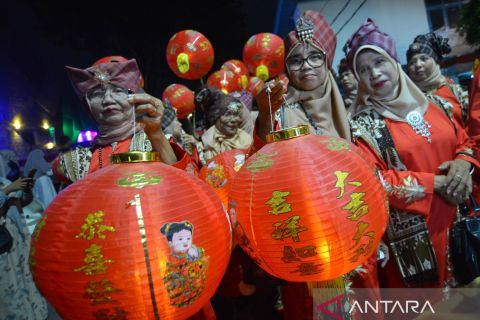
column 469, row 24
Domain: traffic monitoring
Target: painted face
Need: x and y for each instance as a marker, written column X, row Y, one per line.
column 307, row 67
column 229, row 122
column 348, row 81
column 378, row 74
column 108, row 104
column 420, row 67
column 181, row 241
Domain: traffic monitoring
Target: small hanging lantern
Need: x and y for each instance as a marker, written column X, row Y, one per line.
column 239, row 68
column 181, row 98
column 189, row 54
column 226, row 81
column 264, row 53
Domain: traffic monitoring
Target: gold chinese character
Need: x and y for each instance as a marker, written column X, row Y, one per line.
column 291, row 229
column 100, row 291
column 278, row 204
column 32, row 260
column 364, row 249
column 93, row 227
column 335, row 144
column 341, row 177
column 261, row 162
column 290, row 254
column 138, row 180
column 94, row 261
column 356, row 206
column 306, row 269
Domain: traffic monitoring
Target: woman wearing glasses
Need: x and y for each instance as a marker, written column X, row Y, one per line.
column 312, row 98
column 108, row 92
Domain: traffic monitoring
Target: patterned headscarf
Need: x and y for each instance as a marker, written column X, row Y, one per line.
column 214, row 103
column 434, row 45
column 369, row 34
column 312, row 28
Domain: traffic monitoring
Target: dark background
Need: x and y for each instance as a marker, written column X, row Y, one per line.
column 38, row 38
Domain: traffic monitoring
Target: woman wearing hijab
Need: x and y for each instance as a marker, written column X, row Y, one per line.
column 424, row 158
column 19, row 297
column 223, row 118
column 312, row 98
column 112, row 95
column 424, row 56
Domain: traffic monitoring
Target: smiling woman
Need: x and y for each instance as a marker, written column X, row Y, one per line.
column 223, row 118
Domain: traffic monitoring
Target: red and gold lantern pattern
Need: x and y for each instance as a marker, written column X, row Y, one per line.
column 226, row 81
column 181, row 98
column 264, row 53
column 148, row 242
column 220, row 170
column 308, row 209
column 239, row 68
column 255, row 85
column 109, row 59
column 189, row 54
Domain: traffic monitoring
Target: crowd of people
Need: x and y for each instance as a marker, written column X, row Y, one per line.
column 417, row 127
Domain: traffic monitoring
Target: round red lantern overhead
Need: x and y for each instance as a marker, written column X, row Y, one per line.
column 255, row 85
column 181, row 98
column 150, row 242
column 239, row 68
column 189, row 54
column 309, row 208
column 226, row 81
column 109, row 59
column 220, row 170
column 264, row 53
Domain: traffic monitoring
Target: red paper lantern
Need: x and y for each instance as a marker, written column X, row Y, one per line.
column 109, row 59
column 264, row 53
column 181, row 98
column 226, row 81
column 239, row 68
column 189, row 54
column 131, row 241
column 309, row 208
column 219, row 171
column 255, row 85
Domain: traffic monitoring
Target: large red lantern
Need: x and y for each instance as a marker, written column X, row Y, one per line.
column 226, row 81
column 239, row 68
column 220, row 170
column 131, row 241
column 109, row 59
column 181, row 98
column 308, row 208
column 264, row 53
column 255, row 85
column 189, row 54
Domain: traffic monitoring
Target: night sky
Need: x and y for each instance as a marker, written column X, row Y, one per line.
column 38, row 38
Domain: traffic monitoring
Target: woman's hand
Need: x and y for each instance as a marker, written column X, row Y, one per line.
column 188, row 139
column 19, row 184
column 148, row 112
column 458, row 182
column 278, row 89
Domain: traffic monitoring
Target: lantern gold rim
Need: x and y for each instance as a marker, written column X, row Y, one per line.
column 286, row 134
column 134, row 156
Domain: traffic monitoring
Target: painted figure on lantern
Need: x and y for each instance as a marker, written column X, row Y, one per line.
column 187, row 266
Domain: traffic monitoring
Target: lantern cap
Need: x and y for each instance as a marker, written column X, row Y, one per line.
column 134, row 156
column 289, row 133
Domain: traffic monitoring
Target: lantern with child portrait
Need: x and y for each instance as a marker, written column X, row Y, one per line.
column 134, row 240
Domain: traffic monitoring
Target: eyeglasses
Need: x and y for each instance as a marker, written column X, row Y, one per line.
column 98, row 93
column 315, row 60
